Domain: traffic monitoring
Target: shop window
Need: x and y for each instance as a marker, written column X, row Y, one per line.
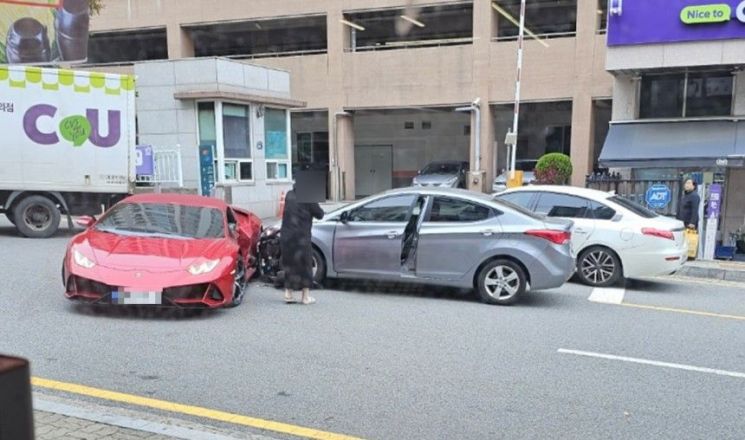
column 236, row 145
column 546, row 18
column 691, row 94
column 236, row 128
column 276, row 144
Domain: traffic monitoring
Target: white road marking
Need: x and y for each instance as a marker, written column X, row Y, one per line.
column 607, row 295
column 654, row 363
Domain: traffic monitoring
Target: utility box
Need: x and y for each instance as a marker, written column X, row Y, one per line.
column 476, row 180
column 16, row 411
column 516, row 181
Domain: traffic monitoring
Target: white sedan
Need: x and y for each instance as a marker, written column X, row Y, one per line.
column 613, row 238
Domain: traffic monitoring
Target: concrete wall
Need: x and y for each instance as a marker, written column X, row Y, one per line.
column 655, row 56
column 415, row 148
column 167, row 122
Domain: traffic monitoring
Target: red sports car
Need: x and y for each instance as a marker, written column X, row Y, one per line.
column 166, row 250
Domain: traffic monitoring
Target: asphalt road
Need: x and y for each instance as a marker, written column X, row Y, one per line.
column 391, row 362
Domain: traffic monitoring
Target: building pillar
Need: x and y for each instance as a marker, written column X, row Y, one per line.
column 582, row 139
column 582, row 121
column 624, row 97
column 344, row 143
column 483, row 29
column 180, row 44
column 341, row 128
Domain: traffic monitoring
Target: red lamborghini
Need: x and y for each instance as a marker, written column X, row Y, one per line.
column 165, row 250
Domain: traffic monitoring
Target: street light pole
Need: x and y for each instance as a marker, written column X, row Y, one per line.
column 513, row 150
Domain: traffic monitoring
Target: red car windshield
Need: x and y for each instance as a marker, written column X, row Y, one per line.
column 170, row 220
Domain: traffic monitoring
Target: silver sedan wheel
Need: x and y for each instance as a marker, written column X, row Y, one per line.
column 598, row 266
column 315, row 267
column 502, row 282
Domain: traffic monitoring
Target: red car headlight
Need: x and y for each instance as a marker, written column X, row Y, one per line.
column 82, row 260
column 203, row 267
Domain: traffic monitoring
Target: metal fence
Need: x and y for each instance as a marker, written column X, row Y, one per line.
column 636, row 190
column 167, row 169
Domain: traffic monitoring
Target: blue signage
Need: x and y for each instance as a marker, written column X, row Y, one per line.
column 658, row 196
column 207, row 168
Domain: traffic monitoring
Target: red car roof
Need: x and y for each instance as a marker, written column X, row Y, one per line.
column 177, row 199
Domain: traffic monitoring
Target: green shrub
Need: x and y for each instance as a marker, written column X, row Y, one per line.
column 553, row 169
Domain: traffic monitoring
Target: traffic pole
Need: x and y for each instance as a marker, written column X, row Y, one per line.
column 516, row 116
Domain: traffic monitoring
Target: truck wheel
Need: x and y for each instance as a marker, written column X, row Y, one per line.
column 36, row 217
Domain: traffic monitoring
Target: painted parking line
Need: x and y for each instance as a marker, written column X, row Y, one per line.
column 615, row 296
column 190, row 410
column 607, row 295
column 653, row 363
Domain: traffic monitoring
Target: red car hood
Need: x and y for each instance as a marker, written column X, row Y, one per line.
column 149, row 253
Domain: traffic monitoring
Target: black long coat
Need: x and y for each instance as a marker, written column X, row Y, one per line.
column 297, row 255
column 688, row 209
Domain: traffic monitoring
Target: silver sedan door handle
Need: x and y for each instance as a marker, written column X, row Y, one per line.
column 487, row 233
column 392, row 235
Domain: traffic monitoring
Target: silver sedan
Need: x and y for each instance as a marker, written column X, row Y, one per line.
column 444, row 237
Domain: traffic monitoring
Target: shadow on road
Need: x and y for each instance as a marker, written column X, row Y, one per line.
column 142, row 312
column 8, row 230
column 652, row 286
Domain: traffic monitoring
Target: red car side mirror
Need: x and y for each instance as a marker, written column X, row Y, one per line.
column 85, row 221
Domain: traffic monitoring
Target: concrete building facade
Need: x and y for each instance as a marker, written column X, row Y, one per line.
column 360, row 66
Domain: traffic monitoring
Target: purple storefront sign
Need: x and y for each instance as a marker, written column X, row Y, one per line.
column 633, row 22
column 144, row 162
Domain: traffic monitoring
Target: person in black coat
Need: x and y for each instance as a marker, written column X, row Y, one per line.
column 295, row 243
column 688, row 208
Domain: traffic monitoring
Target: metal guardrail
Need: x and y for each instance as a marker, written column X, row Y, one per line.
column 636, row 190
column 167, row 169
column 541, row 36
column 391, row 45
column 289, row 53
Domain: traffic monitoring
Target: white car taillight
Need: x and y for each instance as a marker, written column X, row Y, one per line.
column 660, row 233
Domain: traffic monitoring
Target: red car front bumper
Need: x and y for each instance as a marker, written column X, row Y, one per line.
column 103, row 285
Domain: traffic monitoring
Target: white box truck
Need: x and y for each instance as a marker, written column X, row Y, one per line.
column 67, row 145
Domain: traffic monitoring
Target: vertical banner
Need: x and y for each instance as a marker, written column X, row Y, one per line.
column 207, row 168
column 712, row 220
column 44, row 32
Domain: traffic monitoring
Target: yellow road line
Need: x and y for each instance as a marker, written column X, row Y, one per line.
column 686, row 311
column 197, row 411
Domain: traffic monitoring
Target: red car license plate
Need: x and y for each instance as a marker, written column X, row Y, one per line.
column 136, row 297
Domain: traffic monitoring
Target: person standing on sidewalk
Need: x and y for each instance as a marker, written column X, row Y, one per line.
column 688, row 209
column 295, row 244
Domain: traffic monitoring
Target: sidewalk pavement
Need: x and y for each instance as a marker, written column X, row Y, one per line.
column 716, row 270
column 58, row 418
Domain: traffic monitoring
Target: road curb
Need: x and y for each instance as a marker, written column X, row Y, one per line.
column 722, row 274
column 70, row 412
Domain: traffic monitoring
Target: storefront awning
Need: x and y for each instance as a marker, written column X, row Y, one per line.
column 674, row 144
